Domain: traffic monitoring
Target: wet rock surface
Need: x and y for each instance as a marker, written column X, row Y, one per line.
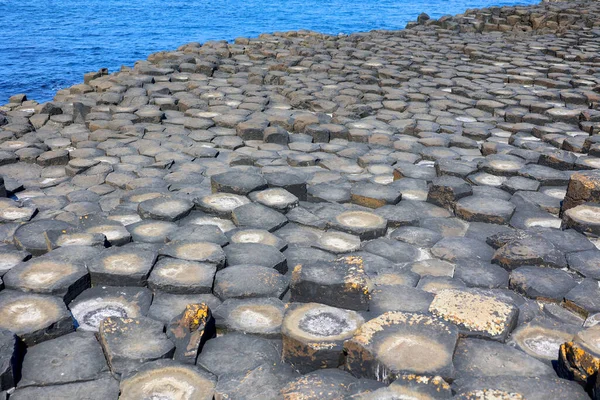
column 398, row 214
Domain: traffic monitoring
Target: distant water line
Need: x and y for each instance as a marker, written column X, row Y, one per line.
column 49, row 44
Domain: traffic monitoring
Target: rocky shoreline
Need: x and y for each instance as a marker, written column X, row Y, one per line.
column 383, row 215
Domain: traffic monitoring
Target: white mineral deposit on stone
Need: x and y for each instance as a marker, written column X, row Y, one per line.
column 249, row 237
column 545, row 346
column 543, row 222
column 254, row 319
column 25, row 313
column 168, row 388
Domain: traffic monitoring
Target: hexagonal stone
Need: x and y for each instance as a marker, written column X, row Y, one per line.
column 540, row 283
column 502, row 164
column 529, row 251
column 338, row 242
column 584, row 218
column 262, row 317
column 392, row 294
column 31, row 237
column 151, row 231
column 447, row 227
column 445, row 191
column 482, row 209
column 238, row 353
column 342, row 283
column 221, row 204
column 168, row 379
column 314, row 335
column 584, row 298
column 541, row 338
column 264, row 382
column 74, row 357
column 103, row 388
column 511, row 387
column 398, row 343
column 99, row 302
column 181, row 276
column 200, row 233
column 587, row 263
column 237, row 182
column 190, row 250
column 293, row 182
column 49, row 274
column 243, row 281
column 476, row 313
column 165, row 208
column 277, row 198
column 326, row 384
column 257, row 236
column 432, row 267
column 452, row 248
column 127, row 266
column 256, row 254
column 34, row 318
column 546, row 176
column 363, row 224
column 130, row 342
column 257, row 216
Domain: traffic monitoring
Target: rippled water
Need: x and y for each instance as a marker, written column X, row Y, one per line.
column 46, row 45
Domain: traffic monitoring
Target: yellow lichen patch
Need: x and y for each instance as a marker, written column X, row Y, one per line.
column 194, row 316
column 370, row 328
column 473, row 311
column 492, row 394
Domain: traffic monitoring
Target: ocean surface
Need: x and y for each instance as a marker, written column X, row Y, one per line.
column 46, row 45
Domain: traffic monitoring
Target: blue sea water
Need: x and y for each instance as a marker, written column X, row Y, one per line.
column 46, row 45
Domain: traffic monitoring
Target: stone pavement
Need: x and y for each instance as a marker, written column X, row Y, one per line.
column 383, row 215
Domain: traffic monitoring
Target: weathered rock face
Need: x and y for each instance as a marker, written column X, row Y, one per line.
column 374, row 215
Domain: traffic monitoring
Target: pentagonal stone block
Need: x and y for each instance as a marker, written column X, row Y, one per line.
column 168, row 378
column 338, row 242
column 190, row 330
column 97, row 303
column 398, row 343
column 103, row 388
column 397, row 252
column 261, row 317
column 190, row 250
column 180, row 276
column 130, row 342
column 237, row 182
column 71, row 358
column 258, row 216
column 116, row 234
column 243, row 281
column 342, row 283
column 363, row 224
column 476, row 313
column 264, row 382
column 479, row 357
column 584, row 298
column 34, row 318
column 238, row 353
column 453, row 248
column 51, row 275
column 126, row 266
column 541, row 283
column 165, row 208
column 256, row 254
column 529, row 251
column 587, row 263
column 221, row 204
column 314, row 335
column 200, row 233
column 420, row 237
column 482, row 209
